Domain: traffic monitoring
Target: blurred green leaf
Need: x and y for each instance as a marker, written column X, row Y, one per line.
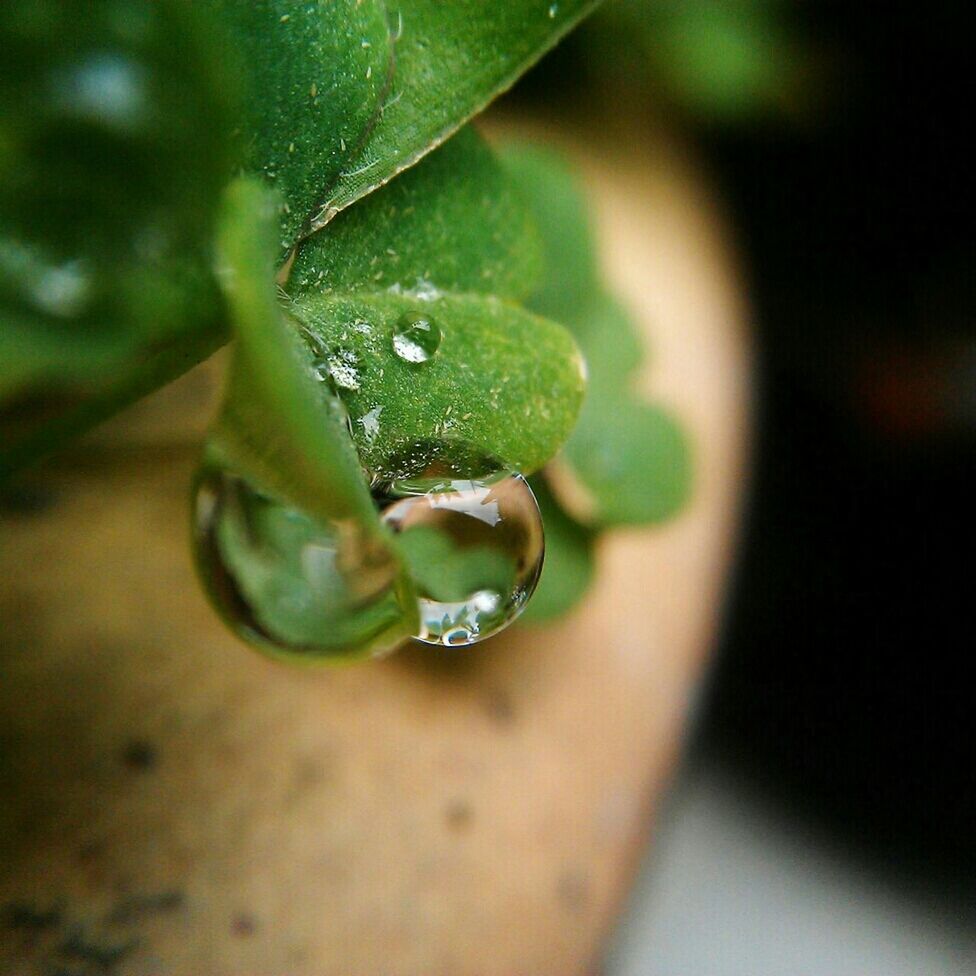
column 719, row 60
column 629, row 459
column 549, row 188
column 501, row 379
column 113, row 150
column 570, row 290
column 454, row 221
column 569, row 566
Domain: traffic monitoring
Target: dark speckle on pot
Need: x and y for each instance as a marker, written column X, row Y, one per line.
column 139, row 755
column 25, row 917
column 243, row 925
column 573, row 890
column 458, row 814
column 500, row 707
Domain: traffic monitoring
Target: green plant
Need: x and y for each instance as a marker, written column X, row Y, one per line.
column 300, row 178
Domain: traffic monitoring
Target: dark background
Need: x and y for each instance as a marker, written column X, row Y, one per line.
column 843, row 687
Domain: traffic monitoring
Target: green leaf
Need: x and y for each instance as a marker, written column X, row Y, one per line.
column 304, row 589
column 343, row 95
column 502, row 379
column 277, row 426
column 606, row 334
column 285, row 435
column 113, row 149
column 447, row 239
column 455, row 221
column 628, row 461
column 569, row 567
column 631, row 458
column 570, row 290
column 724, row 62
column 557, row 204
column 449, row 61
column 313, row 76
column 442, row 571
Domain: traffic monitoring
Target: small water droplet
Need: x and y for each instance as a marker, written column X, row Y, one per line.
column 475, row 548
column 425, row 291
column 343, row 368
column 416, row 337
column 370, row 423
column 288, row 583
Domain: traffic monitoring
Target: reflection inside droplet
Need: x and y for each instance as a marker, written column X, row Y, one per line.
column 416, row 337
column 474, row 548
column 289, row 583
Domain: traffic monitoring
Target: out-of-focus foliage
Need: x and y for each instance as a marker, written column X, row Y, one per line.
column 627, row 461
column 113, row 151
column 719, row 60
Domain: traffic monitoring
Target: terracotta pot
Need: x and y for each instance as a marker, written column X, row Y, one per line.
column 172, row 803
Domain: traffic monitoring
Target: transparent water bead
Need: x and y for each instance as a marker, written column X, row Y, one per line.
column 288, row 583
column 416, row 337
column 475, row 549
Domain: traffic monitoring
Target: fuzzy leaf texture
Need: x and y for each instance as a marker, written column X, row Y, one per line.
column 345, row 94
column 114, row 143
column 450, row 240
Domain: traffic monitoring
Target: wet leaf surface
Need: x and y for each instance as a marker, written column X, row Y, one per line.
column 455, row 220
column 313, row 76
column 502, row 379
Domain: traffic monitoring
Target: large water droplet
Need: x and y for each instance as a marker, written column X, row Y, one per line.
column 289, row 583
column 475, row 550
column 416, row 337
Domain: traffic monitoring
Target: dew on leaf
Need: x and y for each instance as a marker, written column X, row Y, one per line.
column 416, row 337
column 343, row 368
column 288, row 583
column 370, row 422
column 474, row 547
